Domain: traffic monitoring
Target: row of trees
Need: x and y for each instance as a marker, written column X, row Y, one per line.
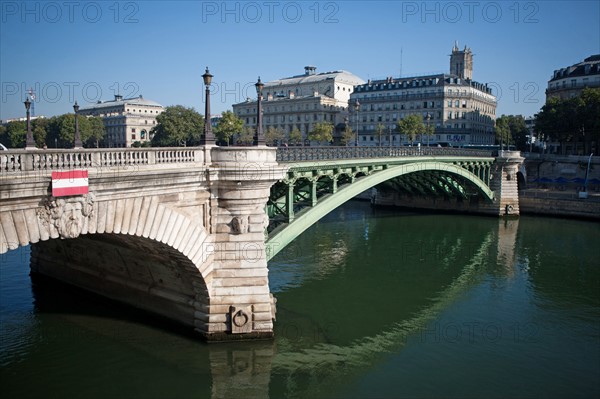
column 178, row 126
column 58, row 131
column 574, row 121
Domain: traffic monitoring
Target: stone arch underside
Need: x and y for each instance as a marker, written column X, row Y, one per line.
column 137, row 251
column 303, row 220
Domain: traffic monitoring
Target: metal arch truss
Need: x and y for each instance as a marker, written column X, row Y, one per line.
column 310, row 190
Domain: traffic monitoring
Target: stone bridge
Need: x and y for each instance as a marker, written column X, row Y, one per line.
column 181, row 232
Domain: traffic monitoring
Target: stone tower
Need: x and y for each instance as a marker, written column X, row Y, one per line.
column 461, row 62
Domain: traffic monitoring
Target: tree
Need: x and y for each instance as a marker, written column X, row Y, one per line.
column 557, row 120
column 514, row 129
column 429, row 130
column 410, row 126
column 38, row 128
column 502, row 131
column 589, row 118
column 4, row 139
column 228, row 125
column 60, row 131
column 246, row 137
column 295, row 136
column 379, row 131
column 16, row 132
column 322, row 132
column 177, row 126
column 347, row 135
column 92, row 131
column 273, row 135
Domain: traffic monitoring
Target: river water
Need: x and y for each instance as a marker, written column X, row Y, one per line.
column 371, row 303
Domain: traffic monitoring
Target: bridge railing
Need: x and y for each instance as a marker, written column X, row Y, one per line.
column 298, row 154
column 44, row 160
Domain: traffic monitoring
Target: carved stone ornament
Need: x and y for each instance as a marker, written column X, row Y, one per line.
column 67, row 215
column 239, row 225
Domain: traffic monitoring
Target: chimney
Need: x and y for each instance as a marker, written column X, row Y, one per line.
column 118, row 97
column 310, row 70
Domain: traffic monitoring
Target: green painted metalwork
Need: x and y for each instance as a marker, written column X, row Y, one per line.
column 313, row 189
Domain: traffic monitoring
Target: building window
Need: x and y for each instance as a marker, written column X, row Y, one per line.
column 132, row 130
column 133, row 136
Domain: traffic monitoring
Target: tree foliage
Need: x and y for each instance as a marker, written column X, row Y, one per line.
column 273, row 135
column 321, row 132
column 228, row 125
column 573, row 120
column 57, row 131
column 16, row 132
column 295, row 136
column 177, row 126
column 511, row 129
column 246, row 137
column 347, row 135
column 379, row 132
column 410, row 126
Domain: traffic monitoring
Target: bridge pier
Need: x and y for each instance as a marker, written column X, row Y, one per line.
column 504, row 184
column 241, row 305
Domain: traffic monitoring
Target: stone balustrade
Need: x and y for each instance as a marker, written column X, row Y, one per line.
column 59, row 159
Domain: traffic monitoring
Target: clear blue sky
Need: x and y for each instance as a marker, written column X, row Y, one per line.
column 88, row 51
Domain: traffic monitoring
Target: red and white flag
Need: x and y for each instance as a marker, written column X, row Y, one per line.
column 72, row 182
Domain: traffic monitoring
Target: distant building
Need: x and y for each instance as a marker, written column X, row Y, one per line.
column 301, row 101
column 21, row 119
column 570, row 81
column 461, row 110
column 214, row 120
column 126, row 120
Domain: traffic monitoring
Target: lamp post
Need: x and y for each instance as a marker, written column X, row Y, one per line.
column 356, row 108
column 30, row 142
column 428, row 132
column 78, row 143
column 208, row 137
column 259, row 137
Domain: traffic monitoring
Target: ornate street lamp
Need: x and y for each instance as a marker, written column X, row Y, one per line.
column 356, row 108
column 78, row 143
column 30, row 142
column 428, row 132
column 207, row 138
column 259, row 137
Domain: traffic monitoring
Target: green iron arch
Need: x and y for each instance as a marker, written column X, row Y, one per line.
column 280, row 239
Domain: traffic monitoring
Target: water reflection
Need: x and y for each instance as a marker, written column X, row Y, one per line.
column 356, row 318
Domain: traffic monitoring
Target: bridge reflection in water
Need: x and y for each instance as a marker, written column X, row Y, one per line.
column 313, row 350
column 344, row 311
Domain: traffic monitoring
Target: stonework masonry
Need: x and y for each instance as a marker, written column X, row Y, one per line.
column 183, row 240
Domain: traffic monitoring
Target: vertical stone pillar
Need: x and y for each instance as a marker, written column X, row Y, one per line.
column 504, row 183
column 241, row 306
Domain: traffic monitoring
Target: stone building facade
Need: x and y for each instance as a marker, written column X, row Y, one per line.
column 570, row 81
column 301, row 101
column 126, row 120
column 461, row 110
